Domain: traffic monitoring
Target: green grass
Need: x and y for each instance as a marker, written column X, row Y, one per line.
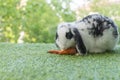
column 31, row 62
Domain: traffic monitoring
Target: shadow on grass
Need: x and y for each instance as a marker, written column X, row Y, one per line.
column 104, row 54
column 107, row 53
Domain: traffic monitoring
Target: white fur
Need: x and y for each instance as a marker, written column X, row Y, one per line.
column 99, row 44
column 92, row 44
column 62, row 41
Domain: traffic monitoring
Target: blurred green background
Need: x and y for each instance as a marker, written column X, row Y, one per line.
column 35, row 21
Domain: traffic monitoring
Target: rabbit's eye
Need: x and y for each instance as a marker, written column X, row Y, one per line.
column 69, row 35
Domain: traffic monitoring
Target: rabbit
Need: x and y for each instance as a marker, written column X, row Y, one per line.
column 93, row 34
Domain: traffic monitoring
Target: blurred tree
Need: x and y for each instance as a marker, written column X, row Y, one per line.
column 9, row 20
column 62, row 8
column 32, row 20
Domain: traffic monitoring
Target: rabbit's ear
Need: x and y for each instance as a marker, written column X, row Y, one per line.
column 79, row 42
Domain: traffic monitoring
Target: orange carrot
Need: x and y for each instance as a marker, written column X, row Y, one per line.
column 70, row 51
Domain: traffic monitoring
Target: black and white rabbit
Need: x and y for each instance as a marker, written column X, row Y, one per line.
column 94, row 33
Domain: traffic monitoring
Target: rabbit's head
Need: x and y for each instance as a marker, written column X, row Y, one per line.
column 68, row 36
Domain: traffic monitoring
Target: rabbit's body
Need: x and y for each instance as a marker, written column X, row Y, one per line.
column 94, row 33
